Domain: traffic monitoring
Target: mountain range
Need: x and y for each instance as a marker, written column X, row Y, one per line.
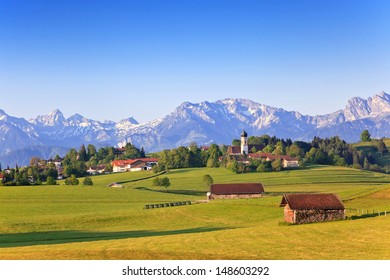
column 203, row 123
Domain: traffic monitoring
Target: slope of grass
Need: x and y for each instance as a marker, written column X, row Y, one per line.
column 370, row 148
column 98, row 222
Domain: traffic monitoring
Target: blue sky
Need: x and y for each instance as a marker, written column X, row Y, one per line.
column 116, row 59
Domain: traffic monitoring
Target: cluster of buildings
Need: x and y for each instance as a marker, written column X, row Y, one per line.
column 298, row 208
column 137, row 164
column 243, row 153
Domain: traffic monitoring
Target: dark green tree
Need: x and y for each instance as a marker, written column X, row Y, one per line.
column 91, row 150
column 165, row 183
column 82, row 155
column 381, row 146
column 365, row 136
column 207, row 180
column 236, row 142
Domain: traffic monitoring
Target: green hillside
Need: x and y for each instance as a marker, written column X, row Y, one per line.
column 370, row 148
column 98, row 222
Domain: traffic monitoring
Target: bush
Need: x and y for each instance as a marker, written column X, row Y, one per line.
column 87, row 181
column 162, row 182
column 72, row 180
column 156, row 182
column 50, row 181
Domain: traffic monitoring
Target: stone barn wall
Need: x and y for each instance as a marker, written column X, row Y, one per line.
column 289, row 215
column 314, row 216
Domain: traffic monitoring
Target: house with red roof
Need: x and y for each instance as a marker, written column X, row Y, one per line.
column 137, row 164
column 287, row 161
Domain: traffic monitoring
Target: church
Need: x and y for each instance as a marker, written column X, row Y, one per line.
column 245, row 151
column 244, row 148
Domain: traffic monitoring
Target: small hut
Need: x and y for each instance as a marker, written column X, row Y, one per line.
column 311, row 208
column 236, row 190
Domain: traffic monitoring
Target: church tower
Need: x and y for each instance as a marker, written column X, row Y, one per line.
column 244, row 143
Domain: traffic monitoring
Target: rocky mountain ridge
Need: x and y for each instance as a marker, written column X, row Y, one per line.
column 203, row 123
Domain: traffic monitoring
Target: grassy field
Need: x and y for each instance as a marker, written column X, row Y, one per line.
column 98, row 222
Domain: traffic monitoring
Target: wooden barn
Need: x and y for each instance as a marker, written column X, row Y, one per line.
column 236, row 190
column 312, row 208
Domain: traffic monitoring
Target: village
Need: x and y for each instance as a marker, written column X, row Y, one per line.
column 298, row 207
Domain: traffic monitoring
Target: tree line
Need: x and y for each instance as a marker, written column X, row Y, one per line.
column 328, row 151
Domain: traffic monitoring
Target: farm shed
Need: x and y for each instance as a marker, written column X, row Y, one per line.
column 311, row 208
column 236, row 190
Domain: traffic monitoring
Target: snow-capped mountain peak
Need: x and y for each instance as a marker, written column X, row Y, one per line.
column 54, row 118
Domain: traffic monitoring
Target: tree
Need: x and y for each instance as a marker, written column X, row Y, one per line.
column 214, row 154
column 365, row 136
column 50, row 181
column 236, row 142
column 276, row 165
column 165, row 183
column 279, row 149
column 35, row 161
column 82, row 156
column 264, row 167
column 91, row 150
column 87, row 181
column 366, row 164
column 381, row 146
column 207, row 180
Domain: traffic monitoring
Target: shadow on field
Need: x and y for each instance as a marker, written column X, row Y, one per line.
column 183, row 192
column 364, row 216
column 70, row 236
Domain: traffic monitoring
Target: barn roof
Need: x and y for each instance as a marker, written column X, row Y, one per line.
column 237, row 188
column 319, row 201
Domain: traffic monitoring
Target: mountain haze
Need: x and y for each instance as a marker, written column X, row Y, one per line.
column 203, row 123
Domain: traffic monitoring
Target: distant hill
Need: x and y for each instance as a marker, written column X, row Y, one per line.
column 204, row 123
column 370, row 148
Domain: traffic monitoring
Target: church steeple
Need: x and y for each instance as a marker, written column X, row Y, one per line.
column 244, row 143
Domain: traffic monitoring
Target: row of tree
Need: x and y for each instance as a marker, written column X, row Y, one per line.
column 330, row 151
column 36, row 174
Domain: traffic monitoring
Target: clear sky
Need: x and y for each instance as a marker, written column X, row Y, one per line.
column 116, row 59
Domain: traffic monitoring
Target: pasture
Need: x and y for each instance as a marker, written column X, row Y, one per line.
column 98, row 222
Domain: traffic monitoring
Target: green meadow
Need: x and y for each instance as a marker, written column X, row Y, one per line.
column 99, row 222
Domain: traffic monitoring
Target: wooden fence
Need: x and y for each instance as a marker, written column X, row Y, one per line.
column 356, row 213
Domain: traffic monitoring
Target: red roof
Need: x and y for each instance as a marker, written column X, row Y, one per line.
column 237, row 188
column 131, row 161
column 234, row 150
column 320, row 201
